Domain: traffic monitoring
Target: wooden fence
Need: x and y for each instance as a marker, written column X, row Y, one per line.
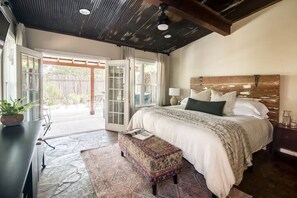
column 69, row 88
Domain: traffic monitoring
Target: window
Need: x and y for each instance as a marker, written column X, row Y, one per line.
column 9, row 69
column 146, row 81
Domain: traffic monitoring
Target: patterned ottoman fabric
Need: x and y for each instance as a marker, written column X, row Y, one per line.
column 156, row 158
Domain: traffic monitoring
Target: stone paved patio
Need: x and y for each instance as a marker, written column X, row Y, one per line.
column 74, row 119
column 65, row 174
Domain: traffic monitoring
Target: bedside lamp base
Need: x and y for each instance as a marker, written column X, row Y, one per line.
column 173, row 100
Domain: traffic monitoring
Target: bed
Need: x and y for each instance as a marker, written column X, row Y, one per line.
column 201, row 146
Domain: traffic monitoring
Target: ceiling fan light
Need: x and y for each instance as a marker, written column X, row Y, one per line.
column 84, row 11
column 163, row 27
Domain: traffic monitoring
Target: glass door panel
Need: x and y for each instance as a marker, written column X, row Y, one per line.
column 29, row 63
column 24, row 63
column 117, row 73
column 31, row 81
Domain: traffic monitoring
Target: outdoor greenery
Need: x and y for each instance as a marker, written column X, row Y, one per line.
column 14, row 106
column 51, row 93
column 69, row 85
column 54, row 70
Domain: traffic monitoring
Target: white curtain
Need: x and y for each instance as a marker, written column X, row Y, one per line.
column 21, row 35
column 128, row 53
column 163, row 78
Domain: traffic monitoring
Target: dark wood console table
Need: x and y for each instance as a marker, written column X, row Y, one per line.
column 21, row 155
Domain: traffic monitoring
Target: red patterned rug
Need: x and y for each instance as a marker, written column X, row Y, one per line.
column 114, row 176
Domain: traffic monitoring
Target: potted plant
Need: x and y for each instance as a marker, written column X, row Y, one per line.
column 12, row 112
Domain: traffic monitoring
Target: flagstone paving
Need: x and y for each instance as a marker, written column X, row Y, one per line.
column 65, row 174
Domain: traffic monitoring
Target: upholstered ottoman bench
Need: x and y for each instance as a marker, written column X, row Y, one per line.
column 155, row 158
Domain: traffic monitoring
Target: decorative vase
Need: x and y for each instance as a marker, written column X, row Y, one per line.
column 12, row 120
column 286, row 118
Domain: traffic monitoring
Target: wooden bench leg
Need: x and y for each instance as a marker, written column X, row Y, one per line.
column 122, row 154
column 154, row 187
column 175, row 179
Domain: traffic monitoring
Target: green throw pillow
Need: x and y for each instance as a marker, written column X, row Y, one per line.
column 215, row 108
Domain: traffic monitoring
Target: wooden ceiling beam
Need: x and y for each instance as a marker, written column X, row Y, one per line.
column 197, row 13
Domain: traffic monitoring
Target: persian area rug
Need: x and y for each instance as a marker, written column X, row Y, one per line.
column 114, row 176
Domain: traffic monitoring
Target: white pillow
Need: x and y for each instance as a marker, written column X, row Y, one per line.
column 202, row 95
column 184, row 101
column 246, row 111
column 193, row 92
column 229, row 97
column 258, row 107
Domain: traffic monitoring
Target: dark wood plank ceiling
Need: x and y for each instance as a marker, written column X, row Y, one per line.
column 234, row 10
column 126, row 22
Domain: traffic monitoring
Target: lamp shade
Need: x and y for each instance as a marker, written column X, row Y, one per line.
column 174, row 91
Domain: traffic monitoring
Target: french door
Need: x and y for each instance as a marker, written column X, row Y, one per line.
column 29, row 84
column 117, row 95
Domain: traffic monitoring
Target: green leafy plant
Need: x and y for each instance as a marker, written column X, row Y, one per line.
column 14, row 106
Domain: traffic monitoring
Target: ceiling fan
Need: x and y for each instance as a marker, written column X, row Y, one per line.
column 163, row 19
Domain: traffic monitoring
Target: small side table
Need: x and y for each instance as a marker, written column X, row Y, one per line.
column 284, row 137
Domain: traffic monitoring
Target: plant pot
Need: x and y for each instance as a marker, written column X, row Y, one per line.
column 12, row 120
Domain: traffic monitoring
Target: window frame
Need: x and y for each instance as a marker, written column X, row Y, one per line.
column 143, row 84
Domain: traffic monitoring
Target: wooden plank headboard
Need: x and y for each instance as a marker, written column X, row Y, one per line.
column 264, row 88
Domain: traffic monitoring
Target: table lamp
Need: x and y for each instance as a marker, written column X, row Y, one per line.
column 174, row 92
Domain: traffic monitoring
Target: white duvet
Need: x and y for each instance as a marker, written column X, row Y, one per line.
column 201, row 147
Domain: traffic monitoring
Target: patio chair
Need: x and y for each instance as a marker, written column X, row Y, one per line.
column 47, row 124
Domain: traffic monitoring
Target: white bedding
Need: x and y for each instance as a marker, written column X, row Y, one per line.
column 201, row 147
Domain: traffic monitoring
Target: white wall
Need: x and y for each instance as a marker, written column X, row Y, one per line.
column 60, row 42
column 65, row 43
column 264, row 43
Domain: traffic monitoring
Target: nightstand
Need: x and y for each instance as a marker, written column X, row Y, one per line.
column 284, row 137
